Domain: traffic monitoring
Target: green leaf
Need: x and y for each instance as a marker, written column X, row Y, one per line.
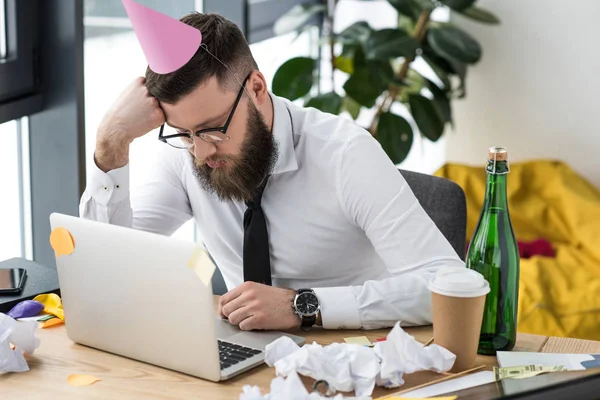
column 345, row 64
column 423, row 5
column 329, row 102
column 457, row 4
column 426, row 116
column 440, row 72
column 480, row 15
column 294, row 78
column 390, row 43
column 361, row 89
column 454, row 44
column 381, row 73
column 297, row 17
column 460, row 69
column 359, row 58
column 355, row 34
column 406, row 24
column 441, row 101
column 351, row 106
column 395, row 135
column 405, row 7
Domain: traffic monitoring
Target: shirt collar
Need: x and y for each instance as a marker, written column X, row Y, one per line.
column 284, row 135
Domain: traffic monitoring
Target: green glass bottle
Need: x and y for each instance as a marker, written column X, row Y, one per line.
column 494, row 253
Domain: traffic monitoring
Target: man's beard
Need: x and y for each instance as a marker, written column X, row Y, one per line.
column 239, row 178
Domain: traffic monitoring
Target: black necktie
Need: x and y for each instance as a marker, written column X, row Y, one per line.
column 257, row 264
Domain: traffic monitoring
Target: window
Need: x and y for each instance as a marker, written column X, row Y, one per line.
column 14, row 201
column 19, row 81
column 112, row 59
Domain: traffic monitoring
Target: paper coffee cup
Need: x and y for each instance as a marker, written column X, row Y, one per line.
column 457, row 300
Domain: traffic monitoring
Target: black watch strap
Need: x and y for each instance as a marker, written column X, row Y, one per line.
column 307, row 321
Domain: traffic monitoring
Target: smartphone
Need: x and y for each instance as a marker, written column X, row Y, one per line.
column 12, row 280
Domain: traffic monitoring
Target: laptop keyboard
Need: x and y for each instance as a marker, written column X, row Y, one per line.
column 231, row 354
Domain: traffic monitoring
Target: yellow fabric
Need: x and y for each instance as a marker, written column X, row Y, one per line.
column 557, row 296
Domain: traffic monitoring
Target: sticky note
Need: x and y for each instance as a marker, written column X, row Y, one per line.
column 62, row 242
column 202, row 265
column 52, row 304
column 81, row 380
column 361, row 340
column 52, row 322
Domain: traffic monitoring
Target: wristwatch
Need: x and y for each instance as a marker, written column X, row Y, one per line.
column 306, row 306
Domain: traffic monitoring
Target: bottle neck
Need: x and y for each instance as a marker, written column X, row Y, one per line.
column 495, row 192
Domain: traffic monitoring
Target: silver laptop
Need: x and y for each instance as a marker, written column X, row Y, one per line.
column 131, row 293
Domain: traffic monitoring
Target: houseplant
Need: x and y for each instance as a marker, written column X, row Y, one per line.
column 378, row 66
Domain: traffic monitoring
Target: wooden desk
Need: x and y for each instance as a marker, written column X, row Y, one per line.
column 122, row 378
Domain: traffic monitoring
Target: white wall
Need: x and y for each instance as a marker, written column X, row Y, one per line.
column 536, row 87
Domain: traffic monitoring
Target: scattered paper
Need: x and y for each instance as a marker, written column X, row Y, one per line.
column 452, row 385
column 22, row 337
column 348, row 367
column 81, row 380
column 24, row 309
column 573, row 362
column 62, row 242
column 524, row 371
column 345, row 367
column 52, row 322
column 360, row 340
column 290, row 388
column 202, row 265
column 52, row 304
column 402, row 354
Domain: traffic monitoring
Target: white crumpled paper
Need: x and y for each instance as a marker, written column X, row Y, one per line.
column 290, row 388
column 345, row 367
column 401, row 354
column 22, row 335
column 348, row 367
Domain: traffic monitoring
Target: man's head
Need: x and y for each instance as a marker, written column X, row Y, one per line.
column 202, row 95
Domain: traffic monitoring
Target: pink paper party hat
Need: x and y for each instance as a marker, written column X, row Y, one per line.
column 168, row 44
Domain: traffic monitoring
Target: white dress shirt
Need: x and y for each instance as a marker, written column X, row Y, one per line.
column 341, row 220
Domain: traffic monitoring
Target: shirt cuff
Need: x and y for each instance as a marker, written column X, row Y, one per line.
column 111, row 186
column 339, row 309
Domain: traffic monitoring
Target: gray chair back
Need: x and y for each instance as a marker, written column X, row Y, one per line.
column 445, row 203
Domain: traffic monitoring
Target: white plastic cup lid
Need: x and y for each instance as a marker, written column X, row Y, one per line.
column 459, row 282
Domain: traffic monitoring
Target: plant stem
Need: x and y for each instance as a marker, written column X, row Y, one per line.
column 330, row 16
column 394, row 91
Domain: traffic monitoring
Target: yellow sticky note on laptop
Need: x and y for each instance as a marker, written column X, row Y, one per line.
column 62, row 242
column 202, row 265
column 360, row 340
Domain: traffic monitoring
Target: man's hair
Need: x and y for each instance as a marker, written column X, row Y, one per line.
column 224, row 39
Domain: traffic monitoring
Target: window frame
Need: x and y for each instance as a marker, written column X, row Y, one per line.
column 255, row 17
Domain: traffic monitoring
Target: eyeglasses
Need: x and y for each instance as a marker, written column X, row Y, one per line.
column 185, row 140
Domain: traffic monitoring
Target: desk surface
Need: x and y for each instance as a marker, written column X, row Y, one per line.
column 122, row 378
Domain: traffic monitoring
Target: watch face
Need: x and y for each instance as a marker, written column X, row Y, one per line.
column 307, row 303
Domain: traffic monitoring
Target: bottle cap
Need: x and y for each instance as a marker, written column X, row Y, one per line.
column 498, row 154
column 459, row 282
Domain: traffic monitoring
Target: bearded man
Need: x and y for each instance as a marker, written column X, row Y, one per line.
column 305, row 215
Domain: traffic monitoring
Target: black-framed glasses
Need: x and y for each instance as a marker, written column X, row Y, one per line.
column 185, row 140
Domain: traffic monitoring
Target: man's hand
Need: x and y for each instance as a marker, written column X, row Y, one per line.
column 256, row 306
column 134, row 113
